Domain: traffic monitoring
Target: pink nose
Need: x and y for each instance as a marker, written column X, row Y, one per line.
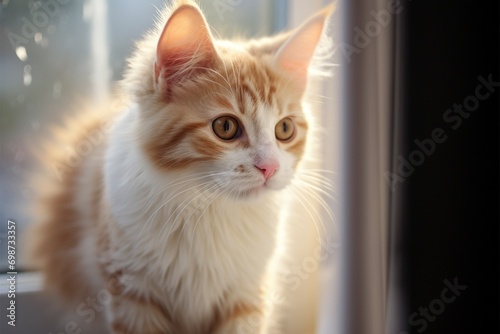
column 268, row 168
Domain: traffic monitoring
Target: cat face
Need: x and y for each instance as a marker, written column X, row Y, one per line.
column 230, row 112
column 246, row 127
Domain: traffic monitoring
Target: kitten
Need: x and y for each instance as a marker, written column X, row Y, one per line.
column 173, row 214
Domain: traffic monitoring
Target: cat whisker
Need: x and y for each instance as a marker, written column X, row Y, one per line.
column 232, row 68
column 296, row 195
column 319, row 185
column 223, row 77
column 317, row 188
column 322, row 186
column 319, row 172
column 224, row 64
column 212, row 81
column 190, row 178
column 215, row 32
column 322, row 97
column 190, row 200
column 316, row 181
column 322, row 203
column 317, row 177
column 161, row 206
column 203, row 184
column 231, row 190
column 216, row 195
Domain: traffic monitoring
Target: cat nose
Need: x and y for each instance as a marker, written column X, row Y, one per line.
column 268, row 168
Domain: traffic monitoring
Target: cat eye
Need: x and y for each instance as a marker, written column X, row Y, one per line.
column 226, row 127
column 285, row 129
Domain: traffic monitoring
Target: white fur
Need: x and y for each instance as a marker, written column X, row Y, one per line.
column 223, row 251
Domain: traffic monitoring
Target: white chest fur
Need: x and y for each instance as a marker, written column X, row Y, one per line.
column 186, row 243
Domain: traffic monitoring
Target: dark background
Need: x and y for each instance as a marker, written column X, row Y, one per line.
column 448, row 208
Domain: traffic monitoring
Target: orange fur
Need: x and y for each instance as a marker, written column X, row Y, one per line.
column 179, row 93
column 251, row 81
column 54, row 240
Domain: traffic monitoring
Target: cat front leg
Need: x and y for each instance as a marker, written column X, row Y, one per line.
column 131, row 313
column 246, row 320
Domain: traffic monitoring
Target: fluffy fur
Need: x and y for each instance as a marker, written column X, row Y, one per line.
column 178, row 225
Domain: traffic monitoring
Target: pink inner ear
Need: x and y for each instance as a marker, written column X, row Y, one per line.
column 295, row 55
column 181, row 63
column 185, row 43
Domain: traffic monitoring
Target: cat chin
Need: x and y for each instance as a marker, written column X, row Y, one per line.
column 257, row 193
column 251, row 196
column 254, row 193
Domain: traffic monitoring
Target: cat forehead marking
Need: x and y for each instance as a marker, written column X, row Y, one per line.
column 254, row 84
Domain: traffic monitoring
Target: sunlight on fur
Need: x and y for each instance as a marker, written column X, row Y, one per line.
column 181, row 204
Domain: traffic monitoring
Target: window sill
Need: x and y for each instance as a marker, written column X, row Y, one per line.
column 35, row 312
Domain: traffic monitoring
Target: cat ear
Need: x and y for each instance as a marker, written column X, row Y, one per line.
column 296, row 53
column 185, row 44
